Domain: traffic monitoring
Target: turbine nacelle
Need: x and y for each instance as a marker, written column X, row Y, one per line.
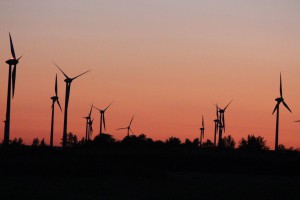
column 279, row 99
column 68, row 80
column 12, row 61
column 54, row 98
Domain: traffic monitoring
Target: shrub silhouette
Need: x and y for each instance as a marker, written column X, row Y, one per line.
column 253, row 143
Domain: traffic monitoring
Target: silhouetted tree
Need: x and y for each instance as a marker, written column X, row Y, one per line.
column 104, row 139
column 208, row 145
column 35, row 142
column 82, row 141
column 173, row 141
column 253, row 143
column 281, row 147
column 191, row 144
column 228, row 142
column 137, row 140
column 17, row 142
column 71, row 140
column 188, row 143
column 43, row 144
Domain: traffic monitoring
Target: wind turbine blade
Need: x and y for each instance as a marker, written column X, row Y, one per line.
column 12, row 47
column 108, row 106
column 56, row 85
column 80, row 74
column 19, row 58
column 202, row 122
column 91, row 110
column 60, row 70
column 95, row 107
column 217, row 111
column 286, row 106
column 276, row 107
column 131, row 120
column 104, row 122
column 121, row 128
column 223, row 122
column 297, row 121
column 131, row 131
column 227, row 105
column 280, row 86
column 59, row 105
column 14, row 74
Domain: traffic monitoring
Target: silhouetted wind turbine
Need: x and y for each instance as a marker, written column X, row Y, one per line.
column 279, row 100
column 87, row 127
column 68, row 81
column 12, row 73
column 90, row 123
column 54, row 99
column 128, row 127
column 102, row 117
column 202, row 131
column 222, row 121
column 216, row 121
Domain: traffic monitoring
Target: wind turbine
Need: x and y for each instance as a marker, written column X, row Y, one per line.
column 54, row 100
column 222, row 121
column 128, row 127
column 87, row 125
column 202, row 131
column 102, row 117
column 90, row 123
column 279, row 101
column 216, row 121
column 12, row 73
column 68, row 81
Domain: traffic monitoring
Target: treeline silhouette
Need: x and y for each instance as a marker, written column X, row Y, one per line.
column 250, row 143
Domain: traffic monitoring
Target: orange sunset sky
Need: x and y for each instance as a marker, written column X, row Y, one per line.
column 164, row 61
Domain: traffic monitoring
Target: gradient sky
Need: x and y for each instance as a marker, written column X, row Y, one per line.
column 164, row 61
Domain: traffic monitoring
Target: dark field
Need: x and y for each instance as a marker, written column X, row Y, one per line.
column 137, row 173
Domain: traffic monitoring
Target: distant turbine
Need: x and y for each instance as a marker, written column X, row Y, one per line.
column 87, row 124
column 128, row 127
column 11, row 85
column 54, row 99
column 102, row 117
column 68, row 81
column 279, row 100
column 202, row 131
column 222, row 122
